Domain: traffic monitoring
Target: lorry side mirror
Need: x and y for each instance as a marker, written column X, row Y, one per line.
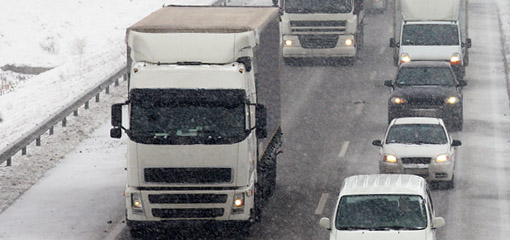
column 456, row 143
column 261, row 121
column 462, row 83
column 358, row 6
column 388, row 83
column 115, row 133
column 117, row 115
column 467, row 44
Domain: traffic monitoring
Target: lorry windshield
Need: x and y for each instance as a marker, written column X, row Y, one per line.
column 170, row 116
column 423, row 76
column 416, row 134
column 379, row 212
column 318, row 6
column 430, row 35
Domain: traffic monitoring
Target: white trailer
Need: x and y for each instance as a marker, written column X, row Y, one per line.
column 431, row 30
column 322, row 29
column 204, row 115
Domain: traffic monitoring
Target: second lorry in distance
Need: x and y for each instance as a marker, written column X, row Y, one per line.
column 204, row 115
column 431, row 30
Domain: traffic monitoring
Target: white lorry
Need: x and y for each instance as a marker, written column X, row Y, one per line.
column 321, row 29
column 431, row 30
column 204, row 115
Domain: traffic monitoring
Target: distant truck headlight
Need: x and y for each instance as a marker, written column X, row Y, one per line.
column 404, row 58
column 349, row 42
column 455, row 59
column 452, row 100
column 390, row 158
column 287, row 43
column 397, row 100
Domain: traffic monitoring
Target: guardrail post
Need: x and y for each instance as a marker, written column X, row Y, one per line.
column 24, row 151
column 75, row 113
column 107, row 90
column 64, row 122
column 116, row 82
column 87, row 105
column 8, row 162
column 124, row 77
column 38, row 141
column 51, row 130
column 97, row 97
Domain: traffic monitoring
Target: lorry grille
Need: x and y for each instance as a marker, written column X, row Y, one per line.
column 318, row 41
column 187, row 198
column 416, row 160
column 188, row 212
column 318, row 26
column 426, row 102
column 188, row 175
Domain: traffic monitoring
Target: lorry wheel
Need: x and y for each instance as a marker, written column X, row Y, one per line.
column 271, row 179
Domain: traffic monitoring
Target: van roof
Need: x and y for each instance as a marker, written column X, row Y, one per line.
column 202, row 19
column 384, row 184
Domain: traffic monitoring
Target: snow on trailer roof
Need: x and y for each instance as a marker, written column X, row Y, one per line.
column 200, row 19
column 384, row 184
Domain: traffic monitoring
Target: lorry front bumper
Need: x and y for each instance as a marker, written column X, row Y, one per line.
column 297, row 50
column 431, row 172
column 186, row 206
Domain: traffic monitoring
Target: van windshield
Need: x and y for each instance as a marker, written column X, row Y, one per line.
column 430, row 35
column 381, row 212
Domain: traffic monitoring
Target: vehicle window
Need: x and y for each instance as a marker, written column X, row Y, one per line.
column 381, row 212
column 416, row 134
column 430, row 34
column 415, row 76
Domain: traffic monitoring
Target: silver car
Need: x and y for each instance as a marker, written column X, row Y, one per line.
column 420, row 146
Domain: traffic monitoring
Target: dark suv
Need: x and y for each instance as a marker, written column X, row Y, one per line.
column 426, row 89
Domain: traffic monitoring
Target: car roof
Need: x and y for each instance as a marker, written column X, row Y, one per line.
column 384, row 184
column 417, row 120
column 425, row 64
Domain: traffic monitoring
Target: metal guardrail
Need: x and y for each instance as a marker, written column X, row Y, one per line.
column 35, row 133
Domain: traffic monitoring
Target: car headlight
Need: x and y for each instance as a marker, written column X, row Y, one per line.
column 442, row 158
column 398, row 100
column 452, row 100
column 455, row 59
column 404, row 57
column 349, row 42
column 390, row 158
column 287, row 43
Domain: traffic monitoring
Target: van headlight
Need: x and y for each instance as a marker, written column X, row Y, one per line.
column 390, row 158
column 442, row 158
column 398, row 100
column 455, row 59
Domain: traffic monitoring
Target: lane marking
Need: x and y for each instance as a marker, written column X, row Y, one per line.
column 322, row 204
column 343, row 149
column 359, row 108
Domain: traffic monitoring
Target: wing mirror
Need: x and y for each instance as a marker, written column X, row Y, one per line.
column 456, row 143
column 377, row 143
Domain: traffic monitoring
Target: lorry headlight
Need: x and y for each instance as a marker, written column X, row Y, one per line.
column 442, row 158
column 238, row 204
column 397, row 100
column 390, row 158
column 455, row 59
column 404, row 57
column 452, row 100
column 349, row 42
column 287, row 43
column 136, row 202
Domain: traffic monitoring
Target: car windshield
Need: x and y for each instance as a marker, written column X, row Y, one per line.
column 381, row 212
column 318, row 6
column 416, row 134
column 416, row 76
column 430, row 34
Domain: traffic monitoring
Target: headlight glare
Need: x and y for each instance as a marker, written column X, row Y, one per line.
column 288, row 43
column 349, row 42
column 398, row 100
column 452, row 100
column 404, row 58
column 455, row 59
column 390, row 158
column 442, row 158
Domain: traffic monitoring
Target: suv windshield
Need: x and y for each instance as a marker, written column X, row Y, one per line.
column 318, row 6
column 430, row 34
column 414, row 76
column 416, row 134
column 381, row 212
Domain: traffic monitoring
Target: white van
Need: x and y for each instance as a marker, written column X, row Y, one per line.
column 383, row 206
